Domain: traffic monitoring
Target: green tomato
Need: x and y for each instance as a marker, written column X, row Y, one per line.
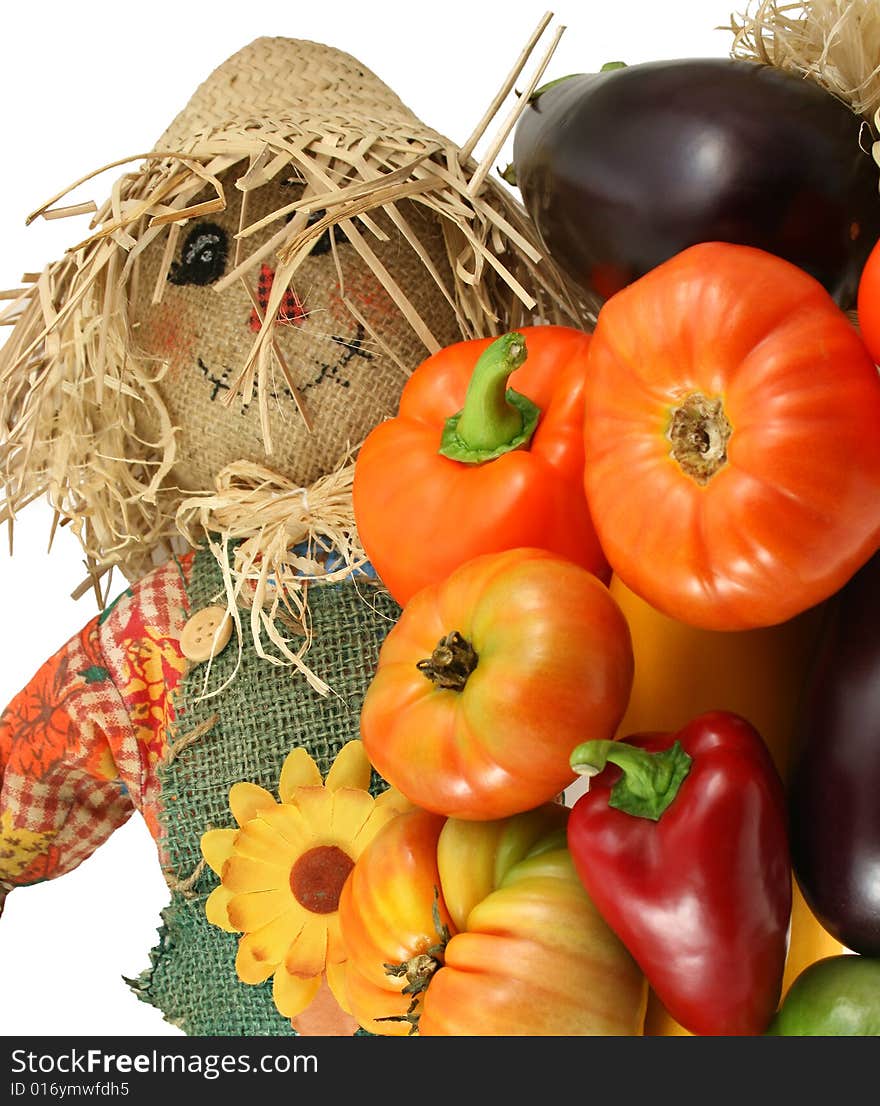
column 835, row 997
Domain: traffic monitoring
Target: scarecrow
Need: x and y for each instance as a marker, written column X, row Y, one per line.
column 188, row 386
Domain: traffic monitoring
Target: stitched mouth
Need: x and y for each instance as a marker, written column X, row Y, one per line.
column 326, row 371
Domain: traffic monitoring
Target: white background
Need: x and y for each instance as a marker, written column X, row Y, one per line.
column 83, row 84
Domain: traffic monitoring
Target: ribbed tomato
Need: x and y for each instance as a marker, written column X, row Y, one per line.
column 458, row 928
column 490, row 678
column 732, row 439
column 869, row 303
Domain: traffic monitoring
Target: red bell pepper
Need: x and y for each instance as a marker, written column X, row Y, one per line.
column 681, row 841
column 486, row 454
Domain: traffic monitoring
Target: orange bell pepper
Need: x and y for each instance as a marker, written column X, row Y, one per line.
column 485, row 454
column 682, row 671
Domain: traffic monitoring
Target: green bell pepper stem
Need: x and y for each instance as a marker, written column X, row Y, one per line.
column 495, row 419
column 650, row 781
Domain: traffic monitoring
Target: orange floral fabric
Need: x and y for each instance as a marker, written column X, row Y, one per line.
column 154, row 666
column 35, row 727
column 79, row 745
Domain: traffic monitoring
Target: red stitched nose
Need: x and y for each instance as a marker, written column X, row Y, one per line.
column 291, row 311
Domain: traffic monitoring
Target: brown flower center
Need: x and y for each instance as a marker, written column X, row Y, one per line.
column 317, row 877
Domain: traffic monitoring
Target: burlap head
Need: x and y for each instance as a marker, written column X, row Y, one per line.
column 249, row 304
column 339, row 354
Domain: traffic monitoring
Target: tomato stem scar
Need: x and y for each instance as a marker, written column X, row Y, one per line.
column 699, row 431
column 451, row 663
column 419, row 970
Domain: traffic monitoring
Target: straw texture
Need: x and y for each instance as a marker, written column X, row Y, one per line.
column 834, row 42
column 287, row 145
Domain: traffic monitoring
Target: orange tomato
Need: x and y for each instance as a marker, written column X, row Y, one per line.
column 869, row 303
column 458, row 928
column 731, row 439
column 489, row 679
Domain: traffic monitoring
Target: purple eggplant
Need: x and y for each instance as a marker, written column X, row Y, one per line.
column 834, row 784
column 621, row 169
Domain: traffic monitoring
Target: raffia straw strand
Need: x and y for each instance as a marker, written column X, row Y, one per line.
column 834, row 42
column 376, row 336
column 153, row 155
column 479, row 130
column 267, row 516
column 298, row 400
column 86, row 208
column 488, row 159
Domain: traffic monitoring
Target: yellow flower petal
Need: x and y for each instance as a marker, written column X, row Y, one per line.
column 337, row 950
column 351, row 768
column 246, row 800
column 336, row 974
column 289, row 824
column 315, row 804
column 256, row 909
column 351, row 809
column 260, row 953
column 308, row 952
column 377, row 819
column 217, row 847
column 260, row 841
column 299, row 770
column 394, row 800
column 248, row 968
column 216, row 909
column 293, row 993
column 241, row 874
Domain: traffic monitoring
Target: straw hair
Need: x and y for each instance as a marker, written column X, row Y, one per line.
column 834, row 42
column 261, row 519
column 83, row 414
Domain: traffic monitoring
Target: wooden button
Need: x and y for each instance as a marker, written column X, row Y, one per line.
column 206, row 633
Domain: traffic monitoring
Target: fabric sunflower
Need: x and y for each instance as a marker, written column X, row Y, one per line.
column 281, row 872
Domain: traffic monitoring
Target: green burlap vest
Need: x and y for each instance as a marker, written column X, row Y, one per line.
column 262, row 714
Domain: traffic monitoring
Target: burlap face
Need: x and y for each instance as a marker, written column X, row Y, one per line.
column 348, row 368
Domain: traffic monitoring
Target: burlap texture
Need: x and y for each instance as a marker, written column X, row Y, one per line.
column 262, row 715
column 348, row 380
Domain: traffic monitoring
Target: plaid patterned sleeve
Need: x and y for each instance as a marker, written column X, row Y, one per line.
column 80, row 743
column 61, row 794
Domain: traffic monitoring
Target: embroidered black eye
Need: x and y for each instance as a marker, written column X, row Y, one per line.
column 203, row 257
